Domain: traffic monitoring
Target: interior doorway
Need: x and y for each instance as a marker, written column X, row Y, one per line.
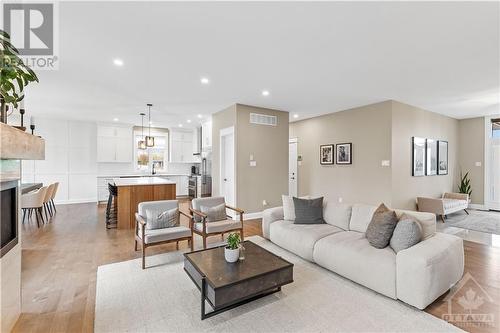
column 292, row 168
column 227, row 184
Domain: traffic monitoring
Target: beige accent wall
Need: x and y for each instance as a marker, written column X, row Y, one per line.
column 10, row 263
column 409, row 121
column 378, row 132
column 365, row 181
column 471, row 143
column 268, row 180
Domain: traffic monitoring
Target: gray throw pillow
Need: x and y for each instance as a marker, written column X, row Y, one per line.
column 160, row 219
column 407, row 233
column 215, row 213
column 308, row 211
column 381, row 227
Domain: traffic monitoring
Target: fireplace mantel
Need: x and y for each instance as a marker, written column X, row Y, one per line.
column 18, row 145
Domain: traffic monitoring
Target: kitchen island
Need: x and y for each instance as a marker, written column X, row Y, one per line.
column 132, row 191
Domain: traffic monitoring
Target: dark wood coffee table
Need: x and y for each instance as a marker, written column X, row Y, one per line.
column 227, row 285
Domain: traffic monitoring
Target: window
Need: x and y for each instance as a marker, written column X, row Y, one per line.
column 157, row 155
column 495, row 128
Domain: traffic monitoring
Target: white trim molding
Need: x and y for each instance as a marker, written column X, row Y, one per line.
column 252, row 216
column 478, row 207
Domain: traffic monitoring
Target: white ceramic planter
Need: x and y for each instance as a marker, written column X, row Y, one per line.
column 231, row 255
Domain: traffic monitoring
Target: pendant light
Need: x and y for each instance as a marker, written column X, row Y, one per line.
column 150, row 140
column 142, row 144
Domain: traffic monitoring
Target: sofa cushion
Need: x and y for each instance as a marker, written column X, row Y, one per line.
column 349, row 254
column 381, row 227
column 299, row 238
column 450, row 204
column 407, row 233
column 426, row 220
column 308, row 211
column 160, row 235
column 337, row 215
column 361, row 216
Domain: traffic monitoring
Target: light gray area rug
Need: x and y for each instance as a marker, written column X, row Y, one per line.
column 488, row 222
column 162, row 298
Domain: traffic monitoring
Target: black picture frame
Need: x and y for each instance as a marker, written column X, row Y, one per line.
column 326, row 154
column 442, row 157
column 343, row 156
column 431, row 157
column 418, row 156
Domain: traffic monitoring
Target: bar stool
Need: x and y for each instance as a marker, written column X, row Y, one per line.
column 111, row 211
column 33, row 202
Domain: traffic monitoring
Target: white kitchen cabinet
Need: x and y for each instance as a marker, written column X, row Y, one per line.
column 181, row 184
column 181, row 146
column 206, row 134
column 114, row 144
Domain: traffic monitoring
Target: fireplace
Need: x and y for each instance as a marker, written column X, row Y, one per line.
column 8, row 215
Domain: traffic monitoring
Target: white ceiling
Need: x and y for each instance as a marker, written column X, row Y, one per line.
column 314, row 58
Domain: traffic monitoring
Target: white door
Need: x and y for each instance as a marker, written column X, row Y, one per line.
column 227, row 179
column 292, row 168
column 495, row 174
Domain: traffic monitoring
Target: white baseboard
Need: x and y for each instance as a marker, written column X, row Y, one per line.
column 252, row 216
column 75, row 201
column 477, row 206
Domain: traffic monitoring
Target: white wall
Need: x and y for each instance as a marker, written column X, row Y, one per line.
column 70, row 159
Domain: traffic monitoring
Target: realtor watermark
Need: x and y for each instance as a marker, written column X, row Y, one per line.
column 468, row 305
column 34, row 30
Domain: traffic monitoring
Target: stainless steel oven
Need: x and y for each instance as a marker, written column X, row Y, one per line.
column 200, row 186
column 193, row 187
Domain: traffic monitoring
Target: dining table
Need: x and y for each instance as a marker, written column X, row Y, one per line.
column 28, row 187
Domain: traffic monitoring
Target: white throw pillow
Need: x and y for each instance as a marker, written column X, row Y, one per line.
column 160, row 219
column 289, row 207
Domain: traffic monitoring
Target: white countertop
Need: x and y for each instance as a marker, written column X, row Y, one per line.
column 137, row 181
column 144, row 175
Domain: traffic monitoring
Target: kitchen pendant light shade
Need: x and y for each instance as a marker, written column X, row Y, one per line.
column 142, row 144
column 150, row 140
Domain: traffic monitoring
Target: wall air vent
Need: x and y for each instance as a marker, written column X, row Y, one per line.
column 263, row 119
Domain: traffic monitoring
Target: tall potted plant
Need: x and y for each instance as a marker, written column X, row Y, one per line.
column 465, row 186
column 14, row 76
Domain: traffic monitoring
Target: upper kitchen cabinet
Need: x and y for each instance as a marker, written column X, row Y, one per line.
column 114, row 144
column 206, row 133
column 182, row 146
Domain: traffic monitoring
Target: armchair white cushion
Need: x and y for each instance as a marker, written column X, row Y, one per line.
column 218, row 226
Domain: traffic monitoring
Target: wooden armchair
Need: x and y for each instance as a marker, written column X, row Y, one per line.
column 150, row 237
column 202, row 227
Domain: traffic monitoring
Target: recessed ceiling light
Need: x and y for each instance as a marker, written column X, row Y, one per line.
column 204, row 80
column 115, row 119
column 118, row 62
column 180, row 125
column 189, row 121
column 295, row 116
column 200, row 116
column 265, row 93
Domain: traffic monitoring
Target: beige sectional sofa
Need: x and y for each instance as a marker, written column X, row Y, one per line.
column 416, row 276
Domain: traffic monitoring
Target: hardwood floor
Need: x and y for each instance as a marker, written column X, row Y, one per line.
column 60, row 260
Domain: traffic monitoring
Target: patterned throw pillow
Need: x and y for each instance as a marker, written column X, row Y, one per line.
column 381, row 227
column 160, row 219
column 407, row 233
column 215, row 213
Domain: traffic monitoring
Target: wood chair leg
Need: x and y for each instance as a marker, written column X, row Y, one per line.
column 241, row 235
column 143, row 256
column 465, row 210
column 177, row 245
column 204, row 242
column 135, row 246
column 191, row 244
column 442, row 218
column 222, row 236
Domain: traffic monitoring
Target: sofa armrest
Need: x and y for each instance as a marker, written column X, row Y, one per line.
column 428, row 269
column 269, row 216
column 456, row 196
column 430, row 205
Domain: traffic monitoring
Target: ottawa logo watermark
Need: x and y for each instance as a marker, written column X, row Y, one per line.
column 469, row 305
column 34, row 30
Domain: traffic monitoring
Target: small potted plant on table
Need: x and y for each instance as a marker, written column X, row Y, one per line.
column 232, row 250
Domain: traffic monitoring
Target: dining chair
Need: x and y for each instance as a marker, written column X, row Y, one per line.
column 54, row 192
column 33, row 202
column 46, row 200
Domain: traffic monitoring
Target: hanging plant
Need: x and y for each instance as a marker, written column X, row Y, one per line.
column 14, row 74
